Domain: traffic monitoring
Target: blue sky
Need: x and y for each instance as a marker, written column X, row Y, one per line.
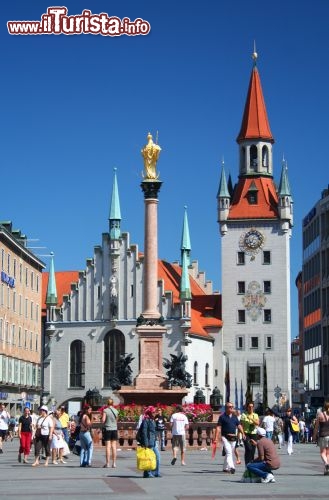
column 75, row 107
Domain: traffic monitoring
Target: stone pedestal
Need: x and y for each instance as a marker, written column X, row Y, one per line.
column 151, row 371
column 151, row 386
column 146, row 397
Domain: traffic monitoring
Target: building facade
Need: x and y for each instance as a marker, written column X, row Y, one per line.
column 91, row 317
column 314, row 302
column 20, row 321
column 255, row 219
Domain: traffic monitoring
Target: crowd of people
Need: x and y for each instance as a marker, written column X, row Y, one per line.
column 54, row 434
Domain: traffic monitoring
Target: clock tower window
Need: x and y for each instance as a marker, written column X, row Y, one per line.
column 241, row 316
column 265, row 162
column 267, row 316
column 240, row 342
column 266, row 257
column 241, row 259
column 253, row 158
column 254, row 343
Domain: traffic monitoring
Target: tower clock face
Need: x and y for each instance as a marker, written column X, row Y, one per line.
column 251, row 241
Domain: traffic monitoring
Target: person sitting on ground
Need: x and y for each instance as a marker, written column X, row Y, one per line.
column 267, row 460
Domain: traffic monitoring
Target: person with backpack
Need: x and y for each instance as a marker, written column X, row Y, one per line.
column 277, row 430
column 289, row 432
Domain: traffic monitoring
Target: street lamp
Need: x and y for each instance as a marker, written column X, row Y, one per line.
column 277, row 394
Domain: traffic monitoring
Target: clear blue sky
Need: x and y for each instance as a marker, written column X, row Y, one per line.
column 74, row 107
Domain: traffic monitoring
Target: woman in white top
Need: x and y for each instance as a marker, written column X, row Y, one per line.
column 4, row 419
column 43, row 435
column 57, row 442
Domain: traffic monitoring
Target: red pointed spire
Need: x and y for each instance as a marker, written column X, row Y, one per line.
column 255, row 123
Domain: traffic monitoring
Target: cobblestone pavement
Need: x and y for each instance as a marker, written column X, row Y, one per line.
column 300, row 476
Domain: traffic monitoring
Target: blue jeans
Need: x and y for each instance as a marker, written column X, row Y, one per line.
column 156, row 472
column 65, row 434
column 269, row 434
column 161, row 435
column 86, row 448
column 259, row 468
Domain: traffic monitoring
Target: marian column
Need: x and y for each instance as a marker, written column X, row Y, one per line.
column 151, row 186
column 151, row 385
column 150, row 324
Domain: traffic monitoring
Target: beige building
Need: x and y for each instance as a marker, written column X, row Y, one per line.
column 20, row 320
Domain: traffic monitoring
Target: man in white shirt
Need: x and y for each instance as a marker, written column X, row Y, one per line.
column 179, row 426
column 4, row 420
column 268, row 423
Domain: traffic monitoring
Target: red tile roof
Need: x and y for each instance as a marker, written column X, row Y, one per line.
column 255, row 124
column 63, row 285
column 267, row 199
column 205, row 309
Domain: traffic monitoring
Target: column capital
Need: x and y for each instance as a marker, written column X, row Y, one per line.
column 151, row 188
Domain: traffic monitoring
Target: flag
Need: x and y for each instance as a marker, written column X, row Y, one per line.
column 241, row 397
column 236, row 395
column 249, row 387
column 265, row 401
column 227, row 381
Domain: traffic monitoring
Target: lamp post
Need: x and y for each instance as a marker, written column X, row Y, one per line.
column 277, row 394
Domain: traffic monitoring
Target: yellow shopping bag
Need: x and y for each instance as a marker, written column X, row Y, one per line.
column 146, row 459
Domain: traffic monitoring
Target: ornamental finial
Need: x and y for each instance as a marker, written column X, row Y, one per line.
column 254, row 54
column 150, row 153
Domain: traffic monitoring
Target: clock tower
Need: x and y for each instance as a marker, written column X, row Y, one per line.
column 255, row 219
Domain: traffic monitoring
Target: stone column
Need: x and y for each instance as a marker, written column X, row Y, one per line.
column 150, row 277
column 150, row 325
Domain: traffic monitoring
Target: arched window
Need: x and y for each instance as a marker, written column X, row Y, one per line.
column 77, row 364
column 243, row 159
column 195, row 373
column 206, row 374
column 114, row 347
column 253, row 158
column 265, row 156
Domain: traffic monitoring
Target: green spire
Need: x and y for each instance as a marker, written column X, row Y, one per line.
column 185, row 288
column 115, row 213
column 223, row 189
column 186, row 242
column 51, row 297
column 284, row 187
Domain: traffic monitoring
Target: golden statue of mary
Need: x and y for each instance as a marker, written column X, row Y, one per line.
column 150, row 153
